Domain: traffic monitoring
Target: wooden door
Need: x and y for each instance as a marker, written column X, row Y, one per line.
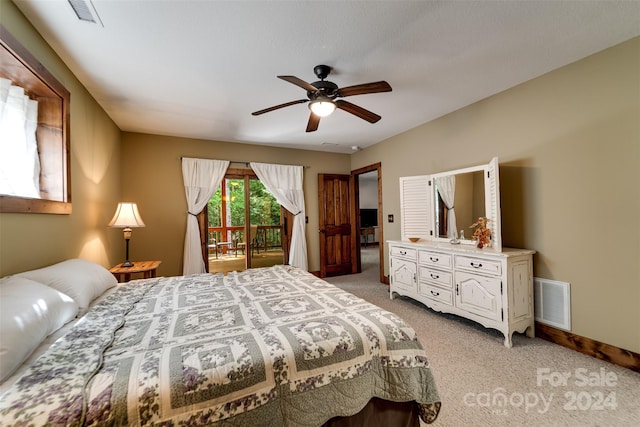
column 337, row 239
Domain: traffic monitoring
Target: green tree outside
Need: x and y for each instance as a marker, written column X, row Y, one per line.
column 264, row 209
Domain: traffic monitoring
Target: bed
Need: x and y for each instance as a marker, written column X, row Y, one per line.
column 271, row 346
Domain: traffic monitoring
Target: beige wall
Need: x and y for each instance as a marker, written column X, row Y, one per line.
column 28, row 241
column 568, row 144
column 152, row 177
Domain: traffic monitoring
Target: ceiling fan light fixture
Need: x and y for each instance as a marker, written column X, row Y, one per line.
column 322, row 107
column 322, row 97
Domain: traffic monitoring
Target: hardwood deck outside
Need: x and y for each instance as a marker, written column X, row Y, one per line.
column 231, row 262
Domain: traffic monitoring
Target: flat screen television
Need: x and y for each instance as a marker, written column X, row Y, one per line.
column 368, row 218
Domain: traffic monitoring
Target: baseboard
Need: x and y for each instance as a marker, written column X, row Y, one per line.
column 608, row 353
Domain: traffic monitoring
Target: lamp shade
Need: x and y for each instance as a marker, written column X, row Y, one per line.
column 127, row 216
column 322, row 107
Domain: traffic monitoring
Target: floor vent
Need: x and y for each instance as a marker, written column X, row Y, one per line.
column 553, row 303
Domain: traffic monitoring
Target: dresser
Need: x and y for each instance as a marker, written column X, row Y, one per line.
column 494, row 289
column 436, row 264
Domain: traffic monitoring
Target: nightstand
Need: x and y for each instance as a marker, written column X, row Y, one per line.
column 147, row 268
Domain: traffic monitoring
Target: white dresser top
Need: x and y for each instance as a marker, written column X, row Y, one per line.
column 463, row 248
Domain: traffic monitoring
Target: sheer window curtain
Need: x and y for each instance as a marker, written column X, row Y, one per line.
column 447, row 189
column 201, row 178
column 19, row 162
column 285, row 183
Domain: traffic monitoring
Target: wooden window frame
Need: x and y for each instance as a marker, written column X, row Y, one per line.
column 52, row 134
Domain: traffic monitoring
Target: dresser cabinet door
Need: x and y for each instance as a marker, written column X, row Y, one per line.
column 403, row 275
column 479, row 295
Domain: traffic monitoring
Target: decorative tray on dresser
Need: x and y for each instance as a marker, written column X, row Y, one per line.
column 449, row 273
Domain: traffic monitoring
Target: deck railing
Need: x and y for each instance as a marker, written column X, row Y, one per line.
column 267, row 237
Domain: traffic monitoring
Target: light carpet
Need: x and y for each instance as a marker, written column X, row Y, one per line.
column 483, row 383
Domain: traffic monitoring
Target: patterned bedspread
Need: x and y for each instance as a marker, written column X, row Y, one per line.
column 270, row 346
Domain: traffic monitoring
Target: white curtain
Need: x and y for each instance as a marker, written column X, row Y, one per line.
column 446, row 186
column 201, row 179
column 19, row 162
column 285, row 183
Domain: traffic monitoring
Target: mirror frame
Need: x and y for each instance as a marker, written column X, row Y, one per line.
column 491, row 202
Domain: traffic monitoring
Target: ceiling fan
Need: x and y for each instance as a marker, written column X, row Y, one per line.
column 322, row 97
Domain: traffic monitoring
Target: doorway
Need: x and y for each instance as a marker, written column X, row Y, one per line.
column 244, row 225
column 368, row 191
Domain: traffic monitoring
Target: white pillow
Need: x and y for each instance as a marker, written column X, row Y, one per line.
column 82, row 280
column 29, row 312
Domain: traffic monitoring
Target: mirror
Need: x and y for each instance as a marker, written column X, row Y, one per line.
column 472, row 193
column 468, row 204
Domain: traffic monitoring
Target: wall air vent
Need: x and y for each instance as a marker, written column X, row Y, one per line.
column 552, row 303
column 85, row 11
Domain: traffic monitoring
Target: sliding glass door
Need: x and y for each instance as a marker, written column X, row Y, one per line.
column 244, row 225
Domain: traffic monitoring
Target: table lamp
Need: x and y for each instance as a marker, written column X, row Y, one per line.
column 127, row 217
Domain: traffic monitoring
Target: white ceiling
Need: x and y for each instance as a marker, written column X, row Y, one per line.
column 199, row 68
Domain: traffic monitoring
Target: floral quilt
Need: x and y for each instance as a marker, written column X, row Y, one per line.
column 270, row 346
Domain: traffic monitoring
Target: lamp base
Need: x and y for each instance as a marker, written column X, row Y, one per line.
column 127, row 236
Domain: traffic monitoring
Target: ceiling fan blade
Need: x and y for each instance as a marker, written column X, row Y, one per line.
column 299, row 82
column 357, row 111
column 275, row 107
column 374, row 87
column 313, row 123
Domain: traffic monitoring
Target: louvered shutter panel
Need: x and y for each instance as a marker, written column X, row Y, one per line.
column 415, row 207
column 492, row 203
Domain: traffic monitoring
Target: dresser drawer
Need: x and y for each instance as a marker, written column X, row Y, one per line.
column 442, row 278
column 435, row 259
column 437, row 294
column 401, row 251
column 482, row 265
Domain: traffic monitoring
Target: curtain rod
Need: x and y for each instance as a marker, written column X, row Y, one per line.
column 246, row 163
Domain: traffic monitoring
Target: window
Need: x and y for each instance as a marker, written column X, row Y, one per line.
column 52, row 131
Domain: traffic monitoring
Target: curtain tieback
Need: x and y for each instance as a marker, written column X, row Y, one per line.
column 296, row 214
column 191, row 213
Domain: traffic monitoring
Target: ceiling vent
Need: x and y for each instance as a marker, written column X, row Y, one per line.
column 85, row 11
